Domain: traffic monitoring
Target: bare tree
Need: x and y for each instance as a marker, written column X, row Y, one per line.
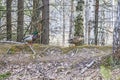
column 8, row 18
column 45, row 22
column 20, row 20
column 96, row 22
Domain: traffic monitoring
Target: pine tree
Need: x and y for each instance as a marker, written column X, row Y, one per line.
column 79, row 19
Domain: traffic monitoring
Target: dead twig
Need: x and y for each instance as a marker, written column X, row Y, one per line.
column 11, row 42
column 87, row 66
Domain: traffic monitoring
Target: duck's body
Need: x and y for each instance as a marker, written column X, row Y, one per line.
column 28, row 38
column 76, row 40
column 31, row 38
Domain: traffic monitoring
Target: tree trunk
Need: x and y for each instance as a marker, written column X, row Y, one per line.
column 36, row 18
column 116, row 35
column 45, row 22
column 71, row 21
column 96, row 22
column 20, row 20
column 63, row 23
column 8, row 18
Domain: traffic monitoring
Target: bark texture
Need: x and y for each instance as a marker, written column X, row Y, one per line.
column 8, row 18
column 20, row 20
column 45, row 22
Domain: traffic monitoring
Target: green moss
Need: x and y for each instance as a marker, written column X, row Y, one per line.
column 4, row 48
column 19, row 48
column 103, row 48
column 105, row 72
column 67, row 49
column 5, row 75
column 36, row 46
column 118, row 78
column 107, row 61
column 15, row 48
column 2, row 63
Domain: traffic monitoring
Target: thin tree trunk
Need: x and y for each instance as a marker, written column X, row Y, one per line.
column 20, row 20
column 63, row 23
column 35, row 16
column 45, row 22
column 71, row 21
column 8, row 18
column 36, row 25
column 96, row 22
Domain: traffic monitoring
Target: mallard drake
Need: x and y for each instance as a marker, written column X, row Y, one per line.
column 31, row 38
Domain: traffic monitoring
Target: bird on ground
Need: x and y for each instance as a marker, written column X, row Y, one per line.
column 31, row 38
column 75, row 40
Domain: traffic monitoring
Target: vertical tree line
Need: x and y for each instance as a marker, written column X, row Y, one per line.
column 36, row 19
column 43, row 20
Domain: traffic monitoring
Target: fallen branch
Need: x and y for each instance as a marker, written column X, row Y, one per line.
column 32, row 49
column 11, row 42
column 34, row 53
column 87, row 66
column 8, row 51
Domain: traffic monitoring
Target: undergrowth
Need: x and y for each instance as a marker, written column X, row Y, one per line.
column 38, row 47
column 108, row 64
column 5, row 75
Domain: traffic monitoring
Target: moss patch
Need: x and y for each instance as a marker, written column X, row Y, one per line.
column 14, row 48
column 102, row 48
column 5, row 75
column 18, row 48
column 67, row 49
column 4, row 48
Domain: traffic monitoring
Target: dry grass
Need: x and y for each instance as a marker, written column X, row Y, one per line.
column 102, row 48
column 4, row 48
column 38, row 47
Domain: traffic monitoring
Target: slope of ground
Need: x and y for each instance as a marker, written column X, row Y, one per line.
column 17, row 62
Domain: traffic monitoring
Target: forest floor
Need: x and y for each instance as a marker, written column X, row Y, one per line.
column 17, row 62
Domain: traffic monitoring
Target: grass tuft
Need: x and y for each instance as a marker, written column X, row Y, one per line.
column 5, row 75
